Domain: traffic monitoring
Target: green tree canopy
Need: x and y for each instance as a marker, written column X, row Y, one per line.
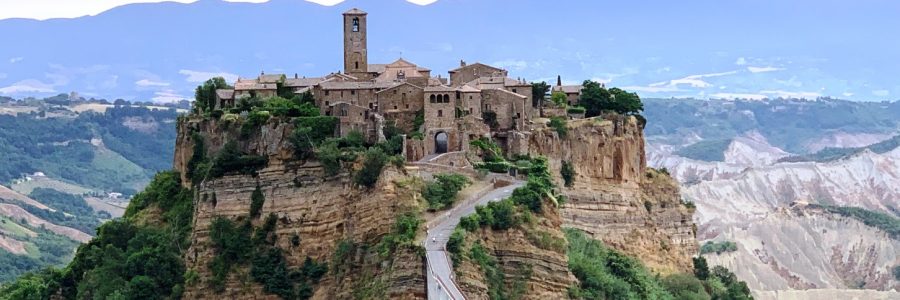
column 205, row 95
column 596, row 99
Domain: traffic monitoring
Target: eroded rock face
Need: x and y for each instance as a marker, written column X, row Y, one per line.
column 541, row 270
column 614, row 197
column 322, row 211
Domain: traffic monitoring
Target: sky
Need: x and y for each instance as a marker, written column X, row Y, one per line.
column 48, row 9
column 751, row 49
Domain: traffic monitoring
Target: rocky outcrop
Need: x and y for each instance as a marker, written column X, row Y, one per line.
column 614, row 197
column 322, row 211
column 533, row 269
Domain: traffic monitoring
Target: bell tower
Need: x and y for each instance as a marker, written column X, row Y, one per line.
column 355, row 56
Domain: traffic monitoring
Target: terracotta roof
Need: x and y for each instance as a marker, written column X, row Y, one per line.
column 468, row 89
column 252, row 85
column 509, row 92
column 376, row 68
column 398, row 85
column 270, row 78
column 568, row 89
column 355, row 11
column 439, row 88
column 355, row 85
column 225, row 94
column 475, row 64
column 505, row 81
column 302, row 82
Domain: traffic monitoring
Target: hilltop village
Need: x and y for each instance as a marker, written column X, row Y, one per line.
column 476, row 100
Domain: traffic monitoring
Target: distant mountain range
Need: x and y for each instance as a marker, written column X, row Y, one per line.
column 700, row 49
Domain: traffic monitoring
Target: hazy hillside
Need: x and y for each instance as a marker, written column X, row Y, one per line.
column 69, row 167
column 730, row 160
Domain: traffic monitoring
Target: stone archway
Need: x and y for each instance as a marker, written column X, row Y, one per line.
column 440, row 142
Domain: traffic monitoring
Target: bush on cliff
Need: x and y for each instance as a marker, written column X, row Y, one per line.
column 373, row 162
column 567, row 171
column 230, row 159
column 441, row 192
column 718, row 247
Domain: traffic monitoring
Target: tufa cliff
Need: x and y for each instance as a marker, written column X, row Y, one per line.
column 614, row 197
column 316, row 214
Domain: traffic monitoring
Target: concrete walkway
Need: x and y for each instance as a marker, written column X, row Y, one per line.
column 441, row 284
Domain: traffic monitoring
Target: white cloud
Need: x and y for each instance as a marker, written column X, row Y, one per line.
column 422, row 2
column 47, row 9
column 695, row 81
column 148, row 82
column 201, row 76
column 326, row 2
column 733, row 96
column 512, row 65
column 28, row 86
column 741, row 61
column 787, row 94
column 167, row 96
column 847, row 94
column 881, row 93
column 651, row 89
column 763, row 69
column 16, row 59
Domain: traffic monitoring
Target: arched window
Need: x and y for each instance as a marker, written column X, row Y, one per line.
column 355, row 24
column 432, row 98
column 446, row 98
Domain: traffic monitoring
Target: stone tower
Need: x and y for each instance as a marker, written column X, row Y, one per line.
column 356, row 62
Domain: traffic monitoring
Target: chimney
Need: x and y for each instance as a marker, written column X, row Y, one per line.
column 558, row 80
column 462, row 63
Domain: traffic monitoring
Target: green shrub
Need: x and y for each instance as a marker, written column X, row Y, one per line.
column 684, row 286
column 455, row 244
column 282, row 107
column 494, row 166
column 470, row 223
column 559, row 98
column 330, row 157
column 575, row 110
column 232, row 245
column 493, row 275
column 718, row 247
column 230, row 159
column 309, row 132
column 606, row 274
column 490, row 151
column 442, row 192
column 879, row 220
column 371, row 169
column 256, row 202
column 559, row 125
column 567, row 171
column 402, row 233
column 255, row 119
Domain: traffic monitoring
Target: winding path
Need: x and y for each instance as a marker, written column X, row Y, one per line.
column 441, row 284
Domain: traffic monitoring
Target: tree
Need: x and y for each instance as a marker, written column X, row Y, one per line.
column 595, row 98
column 559, row 98
column 538, row 90
column 626, row 103
column 701, row 268
column 205, row 95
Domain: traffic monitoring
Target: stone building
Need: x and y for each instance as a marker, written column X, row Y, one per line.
column 366, row 96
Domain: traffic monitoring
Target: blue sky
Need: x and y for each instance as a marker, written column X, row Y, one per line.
column 699, row 48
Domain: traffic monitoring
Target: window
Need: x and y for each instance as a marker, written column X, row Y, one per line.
column 470, row 97
column 446, row 98
column 395, row 107
column 514, row 90
column 326, row 103
column 355, row 24
column 326, row 93
column 457, row 95
column 403, row 97
column 356, row 66
column 352, row 92
column 407, row 106
column 431, row 98
column 343, row 112
column 440, row 113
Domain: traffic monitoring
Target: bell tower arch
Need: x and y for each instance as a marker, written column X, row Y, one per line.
column 356, row 61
